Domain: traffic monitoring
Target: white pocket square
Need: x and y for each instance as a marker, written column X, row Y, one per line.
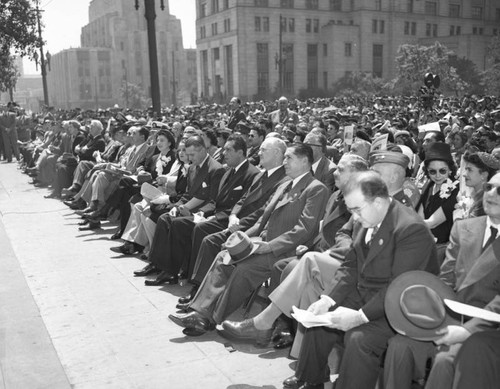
column 204, row 185
column 238, row 188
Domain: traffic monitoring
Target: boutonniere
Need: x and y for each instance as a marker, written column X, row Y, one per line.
column 446, row 188
column 165, row 160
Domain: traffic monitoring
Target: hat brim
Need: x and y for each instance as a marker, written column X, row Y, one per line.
column 255, row 246
column 395, row 315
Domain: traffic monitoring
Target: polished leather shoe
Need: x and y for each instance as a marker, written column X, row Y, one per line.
column 183, row 307
column 52, row 195
column 193, row 320
column 81, row 212
column 283, row 340
column 147, row 270
column 93, row 225
column 293, row 383
column 84, row 222
column 163, row 278
column 245, row 330
column 187, row 298
column 127, row 248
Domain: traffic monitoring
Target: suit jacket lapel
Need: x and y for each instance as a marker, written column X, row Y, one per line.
column 383, row 235
column 486, row 261
column 295, row 191
column 228, row 184
column 199, row 179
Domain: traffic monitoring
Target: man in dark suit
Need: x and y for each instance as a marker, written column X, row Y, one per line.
column 175, row 251
column 237, row 115
column 322, row 167
column 283, row 115
column 290, row 218
column 204, row 177
column 472, row 269
column 391, row 240
column 255, row 139
column 208, row 237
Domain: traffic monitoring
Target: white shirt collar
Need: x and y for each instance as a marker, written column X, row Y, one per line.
column 297, row 179
column 238, row 167
column 271, row 171
column 315, row 165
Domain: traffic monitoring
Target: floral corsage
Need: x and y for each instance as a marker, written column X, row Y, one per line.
column 446, row 188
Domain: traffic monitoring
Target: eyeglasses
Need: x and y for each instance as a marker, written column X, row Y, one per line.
column 357, row 210
column 487, row 187
column 251, row 136
column 441, row 171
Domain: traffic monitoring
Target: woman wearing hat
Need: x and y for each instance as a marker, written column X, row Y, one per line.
column 440, row 194
column 478, row 169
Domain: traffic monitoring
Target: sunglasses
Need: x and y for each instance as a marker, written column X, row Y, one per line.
column 442, row 171
column 487, row 187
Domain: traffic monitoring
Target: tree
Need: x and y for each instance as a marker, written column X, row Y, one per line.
column 491, row 76
column 8, row 74
column 133, row 96
column 414, row 61
column 360, row 83
column 467, row 71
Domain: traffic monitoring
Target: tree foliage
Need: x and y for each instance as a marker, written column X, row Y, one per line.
column 133, row 96
column 360, row 83
column 468, row 72
column 18, row 27
column 414, row 61
column 491, row 76
column 8, row 73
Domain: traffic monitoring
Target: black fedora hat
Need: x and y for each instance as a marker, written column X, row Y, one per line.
column 414, row 305
column 439, row 151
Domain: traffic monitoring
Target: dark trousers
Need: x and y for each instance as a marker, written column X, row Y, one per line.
column 360, row 365
column 10, row 144
column 478, row 362
column 200, row 231
column 209, row 249
column 64, row 174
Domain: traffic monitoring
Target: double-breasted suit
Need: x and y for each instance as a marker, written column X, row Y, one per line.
column 291, row 217
column 277, row 117
column 402, row 243
column 208, row 237
column 324, row 173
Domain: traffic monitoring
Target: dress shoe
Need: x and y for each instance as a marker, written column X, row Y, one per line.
column 245, row 330
column 307, row 385
column 183, row 307
column 163, row 278
column 292, row 383
column 147, row 270
column 53, row 195
column 93, row 225
column 283, row 340
column 193, row 320
column 128, row 248
column 182, row 275
column 187, row 298
column 116, row 235
column 81, row 212
column 84, row 222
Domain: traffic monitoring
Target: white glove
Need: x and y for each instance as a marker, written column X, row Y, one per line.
column 163, row 199
column 345, row 318
column 321, row 306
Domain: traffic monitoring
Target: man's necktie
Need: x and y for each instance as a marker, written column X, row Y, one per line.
column 492, row 238
column 374, row 232
column 286, row 191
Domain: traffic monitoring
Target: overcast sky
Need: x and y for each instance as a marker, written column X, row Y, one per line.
column 64, row 19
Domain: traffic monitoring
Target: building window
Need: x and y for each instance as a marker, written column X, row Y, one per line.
column 265, row 24
column 286, row 3
column 215, row 6
column 477, row 12
column 291, row 25
column 257, row 24
column 348, row 49
column 431, row 8
column 312, row 66
column 428, row 29
column 382, row 26
column 288, row 67
column 316, row 25
column 413, row 28
column 378, row 60
column 325, row 50
column 474, row 30
column 495, row 31
column 312, row 4
column 227, row 25
column 454, row 10
column 335, row 5
column 458, row 30
column 378, row 5
column 225, row 4
column 262, row 3
column 409, row 7
column 325, row 80
column 434, row 30
column 497, row 15
column 308, row 25
column 203, row 10
column 262, row 68
column 214, row 29
column 374, row 26
column 228, row 55
column 407, row 28
column 203, row 32
column 452, row 30
column 284, row 26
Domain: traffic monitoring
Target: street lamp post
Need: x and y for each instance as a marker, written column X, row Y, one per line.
column 150, row 16
column 42, row 59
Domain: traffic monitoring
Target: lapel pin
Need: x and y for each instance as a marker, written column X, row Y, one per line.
column 380, row 242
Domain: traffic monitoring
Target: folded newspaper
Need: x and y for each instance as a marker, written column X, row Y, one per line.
column 309, row 319
column 471, row 311
column 150, row 192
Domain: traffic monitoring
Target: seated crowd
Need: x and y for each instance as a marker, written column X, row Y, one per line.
column 359, row 219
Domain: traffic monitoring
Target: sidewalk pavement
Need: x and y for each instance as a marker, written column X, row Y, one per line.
column 73, row 315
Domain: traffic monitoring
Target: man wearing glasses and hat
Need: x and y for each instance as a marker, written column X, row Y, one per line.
column 472, row 270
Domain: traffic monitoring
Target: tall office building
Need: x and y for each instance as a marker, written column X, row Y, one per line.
column 114, row 52
column 239, row 41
